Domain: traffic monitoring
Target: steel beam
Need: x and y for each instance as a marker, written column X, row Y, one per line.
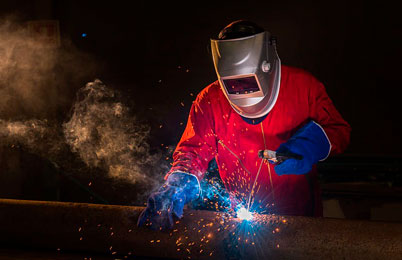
column 200, row 234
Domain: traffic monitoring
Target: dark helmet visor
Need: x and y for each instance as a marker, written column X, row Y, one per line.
column 243, row 85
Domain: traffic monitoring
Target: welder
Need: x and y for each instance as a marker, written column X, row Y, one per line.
column 257, row 104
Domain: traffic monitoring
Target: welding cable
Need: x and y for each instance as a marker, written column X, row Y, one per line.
column 255, row 181
column 237, row 157
column 63, row 173
column 268, row 166
column 83, row 187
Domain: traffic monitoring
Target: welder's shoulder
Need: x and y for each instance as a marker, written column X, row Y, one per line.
column 211, row 92
column 300, row 81
column 296, row 74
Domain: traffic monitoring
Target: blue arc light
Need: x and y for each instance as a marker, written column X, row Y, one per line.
column 244, row 214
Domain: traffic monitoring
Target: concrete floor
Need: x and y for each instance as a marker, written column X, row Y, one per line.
column 21, row 254
column 371, row 210
column 34, row 254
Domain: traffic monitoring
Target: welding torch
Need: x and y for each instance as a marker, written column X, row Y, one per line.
column 277, row 158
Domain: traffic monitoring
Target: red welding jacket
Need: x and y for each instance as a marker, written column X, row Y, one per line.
column 214, row 129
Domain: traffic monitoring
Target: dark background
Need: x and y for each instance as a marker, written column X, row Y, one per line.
column 156, row 54
column 145, row 48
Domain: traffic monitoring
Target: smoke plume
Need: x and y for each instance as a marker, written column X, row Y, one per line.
column 104, row 134
column 37, row 87
column 36, row 80
column 36, row 136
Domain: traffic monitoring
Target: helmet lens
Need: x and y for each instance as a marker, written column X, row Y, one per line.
column 243, row 85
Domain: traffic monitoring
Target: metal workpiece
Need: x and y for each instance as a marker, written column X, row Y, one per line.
column 108, row 229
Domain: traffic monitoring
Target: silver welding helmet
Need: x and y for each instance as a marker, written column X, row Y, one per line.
column 249, row 72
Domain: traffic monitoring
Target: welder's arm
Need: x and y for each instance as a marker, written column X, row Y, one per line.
column 168, row 202
column 327, row 133
column 195, row 150
column 324, row 113
column 197, row 145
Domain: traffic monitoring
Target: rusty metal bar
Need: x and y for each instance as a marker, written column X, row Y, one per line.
column 112, row 230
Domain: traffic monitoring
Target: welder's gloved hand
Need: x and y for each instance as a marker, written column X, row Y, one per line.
column 179, row 189
column 311, row 142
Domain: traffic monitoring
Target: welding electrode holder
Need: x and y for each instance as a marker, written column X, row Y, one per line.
column 277, row 158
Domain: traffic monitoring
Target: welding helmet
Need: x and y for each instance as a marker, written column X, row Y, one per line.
column 248, row 68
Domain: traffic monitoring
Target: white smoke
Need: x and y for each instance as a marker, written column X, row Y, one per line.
column 36, row 136
column 36, row 79
column 105, row 135
column 38, row 82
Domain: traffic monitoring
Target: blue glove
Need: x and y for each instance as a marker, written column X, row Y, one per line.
column 311, row 142
column 179, row 189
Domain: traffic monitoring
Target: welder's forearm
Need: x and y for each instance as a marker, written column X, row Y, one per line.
column 323, row 111
column 191, row 158
column 339, row 136
column 191, row 166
